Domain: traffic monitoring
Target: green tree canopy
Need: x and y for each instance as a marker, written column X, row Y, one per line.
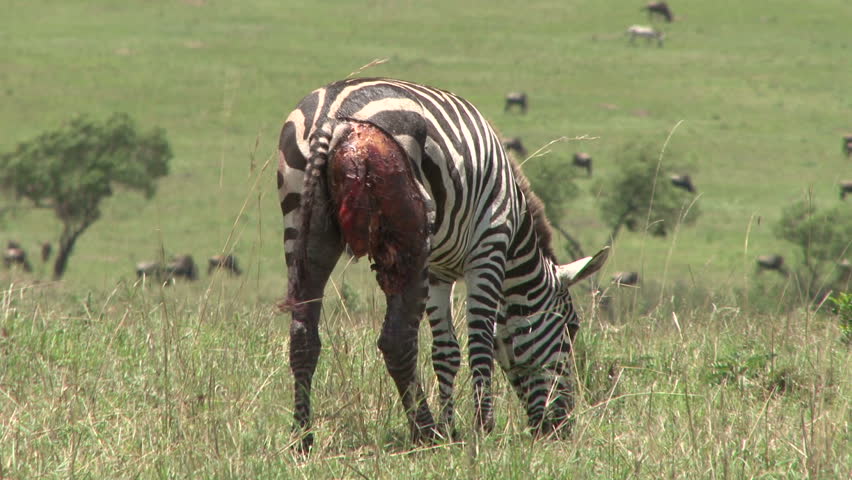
column 824, row 236
column 73, row 168
column 640, row 186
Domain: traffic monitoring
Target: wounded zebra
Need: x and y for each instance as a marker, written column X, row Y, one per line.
column 415, row 178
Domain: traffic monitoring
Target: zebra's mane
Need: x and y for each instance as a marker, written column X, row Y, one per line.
column 536, row 208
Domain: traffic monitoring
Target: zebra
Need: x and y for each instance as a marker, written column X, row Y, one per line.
column 416, row 178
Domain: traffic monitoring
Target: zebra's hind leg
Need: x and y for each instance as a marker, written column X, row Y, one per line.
column 305, row 303
column 398, row 344
column 446, row 356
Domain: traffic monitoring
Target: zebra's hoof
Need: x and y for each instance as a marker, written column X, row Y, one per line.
column 426, row 435
column 448, row 433
column 303, row 445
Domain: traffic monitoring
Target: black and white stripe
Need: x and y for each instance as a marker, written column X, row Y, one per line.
column 487, row 229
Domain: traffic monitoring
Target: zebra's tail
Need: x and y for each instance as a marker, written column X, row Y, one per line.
column 314, row 169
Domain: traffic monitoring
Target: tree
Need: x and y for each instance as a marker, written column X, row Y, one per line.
column 556, row 195
column 640, row 195
column 73, row 168
column 824, row 237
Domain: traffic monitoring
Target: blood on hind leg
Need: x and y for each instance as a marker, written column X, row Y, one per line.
column 380, row 209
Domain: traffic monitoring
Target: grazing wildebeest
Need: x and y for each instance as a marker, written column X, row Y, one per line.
column 683, row 181
column 154, row 270
column 659, row 8
column 583, row 160
column 416, row 178
column 224, row 262
column 648, row 33
column 518, row 99
column 515, row 144
column 845, row 187
column 46, row 250
column 15, row 256
column 630, row 279
column 847, row 144
column 182, row 266
column 771, row 262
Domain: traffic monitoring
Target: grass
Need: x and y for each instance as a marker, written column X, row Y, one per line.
column 704, row 372
column 152, row 383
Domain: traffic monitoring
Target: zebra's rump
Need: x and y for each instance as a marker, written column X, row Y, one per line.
column 379, row 208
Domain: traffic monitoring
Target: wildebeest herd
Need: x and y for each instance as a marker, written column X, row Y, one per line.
column 183, row 267
column 179, row 267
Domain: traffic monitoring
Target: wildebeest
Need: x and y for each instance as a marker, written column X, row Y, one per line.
column 659, row 8
column 152, row 270
column 626, row 278
column 771, row 262
column 683, row 181
column 15, row 256
column 847, row 144
column 224, row 262
column 515, row 144
column 845, row 187
column 182, row 266
column 583, row 160
column 647, row 33
column 518, row 99
column 46, row 250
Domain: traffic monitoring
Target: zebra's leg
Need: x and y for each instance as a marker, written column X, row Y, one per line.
column 446, row 356
column 398, row 344
column 484, row 303
column 304, row 296
column 323, row 252
column 559, row 419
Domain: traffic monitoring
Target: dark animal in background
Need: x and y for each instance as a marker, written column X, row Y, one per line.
column 583, row 160
column 630, row 279
column 182, row 266
column 648, row 33
column 224, row 262
column 659, row 9
column 844, row 273
column 46, row 250
column 771, row 262
column 847, row 145
column 515, row 144
column 683, row 181
column 845, row 187
column 153, row 270
column 518, row 99
column 15, row 256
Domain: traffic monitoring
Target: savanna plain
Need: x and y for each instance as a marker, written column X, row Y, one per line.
column 705, row 369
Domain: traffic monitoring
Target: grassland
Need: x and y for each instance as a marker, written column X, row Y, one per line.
column 102, row 379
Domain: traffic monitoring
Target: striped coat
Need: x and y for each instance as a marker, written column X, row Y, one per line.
column 416, row 178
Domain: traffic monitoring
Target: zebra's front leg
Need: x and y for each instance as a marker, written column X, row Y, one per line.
column 446, row 356
column 398, row 344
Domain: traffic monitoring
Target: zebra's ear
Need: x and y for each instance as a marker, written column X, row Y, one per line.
column 575, row 271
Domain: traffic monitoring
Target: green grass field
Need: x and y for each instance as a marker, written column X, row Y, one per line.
column 100, row 378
